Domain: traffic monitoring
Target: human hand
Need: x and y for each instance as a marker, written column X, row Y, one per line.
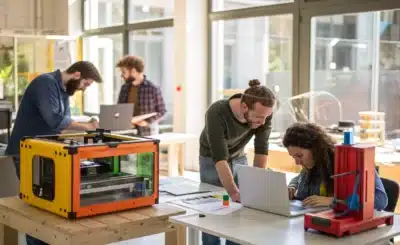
column 142, row 123
column 92, row 124
column 317, row 201
column 292, row 192
column 235, row 196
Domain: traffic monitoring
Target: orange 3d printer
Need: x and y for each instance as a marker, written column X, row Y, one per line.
column 354, row 193
column 78, row 175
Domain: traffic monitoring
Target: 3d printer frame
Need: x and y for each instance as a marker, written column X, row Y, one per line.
column 354, row 191
column 62, row 196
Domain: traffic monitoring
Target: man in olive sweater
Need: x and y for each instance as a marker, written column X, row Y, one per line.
column 229, row 126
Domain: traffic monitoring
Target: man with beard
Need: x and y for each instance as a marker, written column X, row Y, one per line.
column 229, row 126
column 145, row 96
column 44, row 109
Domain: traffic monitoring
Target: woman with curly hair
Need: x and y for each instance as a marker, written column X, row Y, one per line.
column 313, row 149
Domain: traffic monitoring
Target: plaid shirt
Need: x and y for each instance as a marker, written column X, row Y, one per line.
column 150, row 100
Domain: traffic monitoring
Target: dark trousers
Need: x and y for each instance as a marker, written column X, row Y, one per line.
column 209, row 175
column 29, row 240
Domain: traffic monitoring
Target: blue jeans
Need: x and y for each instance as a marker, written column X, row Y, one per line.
column 29, row 240
column 209, row 175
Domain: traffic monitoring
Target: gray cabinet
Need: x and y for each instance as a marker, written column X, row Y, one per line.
column 40, row 17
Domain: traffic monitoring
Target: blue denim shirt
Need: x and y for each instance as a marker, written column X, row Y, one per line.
column 44, row 109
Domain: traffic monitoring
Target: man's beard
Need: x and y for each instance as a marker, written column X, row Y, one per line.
column 130, row 79
column 246, row 116
column 72, row 86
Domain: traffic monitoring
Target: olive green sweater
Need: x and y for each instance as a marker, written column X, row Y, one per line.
column 224, row 136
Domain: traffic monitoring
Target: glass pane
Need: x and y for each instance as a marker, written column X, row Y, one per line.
column 116, row 178
column 7, row 84
column 43, row 177
column 104, row 51
column 155, row 46
column 219, row 5
column 389, row 70
column 341, row 67
column 33, row 59
column 153, row 10
column 254, row 48
column 103, row 13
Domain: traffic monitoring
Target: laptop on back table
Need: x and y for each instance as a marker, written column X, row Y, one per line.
column 116, row 117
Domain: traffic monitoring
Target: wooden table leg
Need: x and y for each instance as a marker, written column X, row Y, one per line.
column 172, row 160
column 8, row 235
column 177, row 237
column 181, row 162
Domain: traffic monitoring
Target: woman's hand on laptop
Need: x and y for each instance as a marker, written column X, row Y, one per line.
column 317, row 201
column 292, row 192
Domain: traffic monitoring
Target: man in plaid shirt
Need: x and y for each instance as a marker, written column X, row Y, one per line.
column 145, row 96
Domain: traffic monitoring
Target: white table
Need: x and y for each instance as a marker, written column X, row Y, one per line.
column 193, row 234
column 252, row 227
column 175, row 143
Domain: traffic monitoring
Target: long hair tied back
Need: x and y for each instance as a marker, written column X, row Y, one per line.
column 258, row 93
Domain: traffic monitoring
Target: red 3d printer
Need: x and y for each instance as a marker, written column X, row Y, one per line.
column 354, row 193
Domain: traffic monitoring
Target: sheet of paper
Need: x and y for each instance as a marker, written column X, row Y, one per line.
column 209, row 204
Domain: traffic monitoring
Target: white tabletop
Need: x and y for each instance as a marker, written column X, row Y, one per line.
column 248, row 226
column 179, row 180
column 174, row 138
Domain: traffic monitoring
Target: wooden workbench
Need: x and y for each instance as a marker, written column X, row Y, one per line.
column 98, row 230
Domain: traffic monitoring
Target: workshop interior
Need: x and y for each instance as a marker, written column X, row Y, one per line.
column 330, row 63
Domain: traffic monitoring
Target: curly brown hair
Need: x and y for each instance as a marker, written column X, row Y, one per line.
column 312, row 137
column 131, row 62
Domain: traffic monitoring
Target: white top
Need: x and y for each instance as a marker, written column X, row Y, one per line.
column 174, row 138
column 248, row 226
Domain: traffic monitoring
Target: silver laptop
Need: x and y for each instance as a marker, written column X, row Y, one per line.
column 116, row 117
column 267, row 190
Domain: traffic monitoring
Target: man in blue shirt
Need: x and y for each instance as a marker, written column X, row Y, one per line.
column 45, row 109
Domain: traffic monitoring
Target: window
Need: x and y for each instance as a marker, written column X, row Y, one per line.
column 33, row 57
column 250, row 48
column 155, row 46
column 220, row 5
column 104, row 51
column 103, row 13
column 343, row 54
column 356, row 58
column 7, row 86
column 43, row 177
column 388, row 64
column 32, row 60
column 152, row 10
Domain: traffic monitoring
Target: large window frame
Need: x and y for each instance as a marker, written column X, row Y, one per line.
column 124, row 30
column 302, row 11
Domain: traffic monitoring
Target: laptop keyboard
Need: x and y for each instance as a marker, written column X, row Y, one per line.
column 296, row 205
